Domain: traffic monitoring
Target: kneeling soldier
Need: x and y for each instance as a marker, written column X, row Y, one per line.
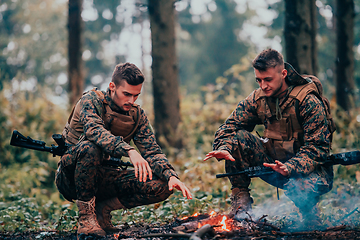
column 101, row 126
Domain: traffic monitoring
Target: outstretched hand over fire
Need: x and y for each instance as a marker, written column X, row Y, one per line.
column 278, row 167
column 219, row 154
column 176, row 183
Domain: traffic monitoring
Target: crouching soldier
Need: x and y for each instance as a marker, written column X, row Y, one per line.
column 296, row 139
column 101, row 126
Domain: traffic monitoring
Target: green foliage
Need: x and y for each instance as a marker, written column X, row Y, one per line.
column 32, row 114
column 30, row 201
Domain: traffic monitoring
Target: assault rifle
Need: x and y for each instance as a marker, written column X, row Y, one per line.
column 19, row 140
column 346, row 158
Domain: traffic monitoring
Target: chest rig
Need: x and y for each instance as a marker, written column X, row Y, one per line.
column 283, row 130
column 118, row 124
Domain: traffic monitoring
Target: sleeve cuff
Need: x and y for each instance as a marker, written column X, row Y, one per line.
column 224, row 147
column 290, row 167
column 122, row 150
column 168, row 173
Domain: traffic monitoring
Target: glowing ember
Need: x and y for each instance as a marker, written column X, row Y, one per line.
column 116, row 235
column 212, row 214
column 194, row 215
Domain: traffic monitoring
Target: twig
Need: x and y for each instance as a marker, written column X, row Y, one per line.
column 180, row 235
column 336, row 228
column 263, row 237
column 264, row 216
column 348, row 215
column 195, row 236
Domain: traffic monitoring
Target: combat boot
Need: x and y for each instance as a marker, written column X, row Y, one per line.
column 103, row 213
column 240, row 202
column 87, row 219
column 311, row 218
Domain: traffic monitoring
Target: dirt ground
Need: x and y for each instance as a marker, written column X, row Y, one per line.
column 185, row 230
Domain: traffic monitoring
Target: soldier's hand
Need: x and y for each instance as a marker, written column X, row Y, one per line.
column 278, row 167
column 176, row 183
column 141, row 166
column 219, row 154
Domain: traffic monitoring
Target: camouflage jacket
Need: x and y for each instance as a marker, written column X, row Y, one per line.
column 316, row 135
column 115, row 146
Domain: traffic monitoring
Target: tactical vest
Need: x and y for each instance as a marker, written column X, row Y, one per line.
column 118, row 124
column 285, row 134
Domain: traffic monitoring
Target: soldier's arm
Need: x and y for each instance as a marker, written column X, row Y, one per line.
column 316, row 138
column 145, row 141
column 95, row 131
column 244, row 117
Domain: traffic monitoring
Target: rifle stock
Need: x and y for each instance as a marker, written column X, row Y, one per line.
column 346, row 158
column 19, row 140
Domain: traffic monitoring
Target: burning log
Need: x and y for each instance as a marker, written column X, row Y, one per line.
column 218, row 222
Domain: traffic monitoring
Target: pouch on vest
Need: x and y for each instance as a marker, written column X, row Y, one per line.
column 120, row 124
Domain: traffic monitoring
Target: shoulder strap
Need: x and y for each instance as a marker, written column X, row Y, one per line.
column 100, row 95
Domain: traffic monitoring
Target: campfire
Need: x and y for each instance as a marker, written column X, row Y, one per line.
column 219, row 226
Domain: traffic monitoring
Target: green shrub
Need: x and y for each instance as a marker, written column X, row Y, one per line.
column 30, row 201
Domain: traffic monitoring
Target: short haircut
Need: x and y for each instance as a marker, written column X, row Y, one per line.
column 127, row 72
column 268, row 58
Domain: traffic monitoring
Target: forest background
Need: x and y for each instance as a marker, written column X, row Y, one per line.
column 215, row 43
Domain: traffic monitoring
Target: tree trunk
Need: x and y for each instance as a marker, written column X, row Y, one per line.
column 165, row 73
column 75, row 74
column 345, row 84
column 300, row 33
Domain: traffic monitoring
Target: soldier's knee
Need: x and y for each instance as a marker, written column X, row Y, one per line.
column 162, row 191
column 89, row 150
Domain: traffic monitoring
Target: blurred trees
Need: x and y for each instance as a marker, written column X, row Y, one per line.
column 209, row 40
column 165, row 72
column 33, row 49
column 300, row 32
column 345, row 86
column 212, row 36
column 75, row 67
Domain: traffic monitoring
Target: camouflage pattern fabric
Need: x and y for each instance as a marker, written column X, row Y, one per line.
column 301, row 189
column 85, row 177
column 81, row 174
column 308, row 177
column 115, row 146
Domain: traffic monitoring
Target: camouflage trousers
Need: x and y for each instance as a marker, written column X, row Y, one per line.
column 304, row 191
column 81, row 175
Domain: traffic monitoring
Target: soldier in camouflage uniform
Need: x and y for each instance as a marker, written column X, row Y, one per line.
column 295, row 149
column 101, row 126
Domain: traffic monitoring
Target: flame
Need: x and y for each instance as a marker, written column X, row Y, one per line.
column 223, row 227
column 212, row 214
column 116, row 235
column 221, row 222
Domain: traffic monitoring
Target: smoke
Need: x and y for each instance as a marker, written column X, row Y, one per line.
column 340, row 206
